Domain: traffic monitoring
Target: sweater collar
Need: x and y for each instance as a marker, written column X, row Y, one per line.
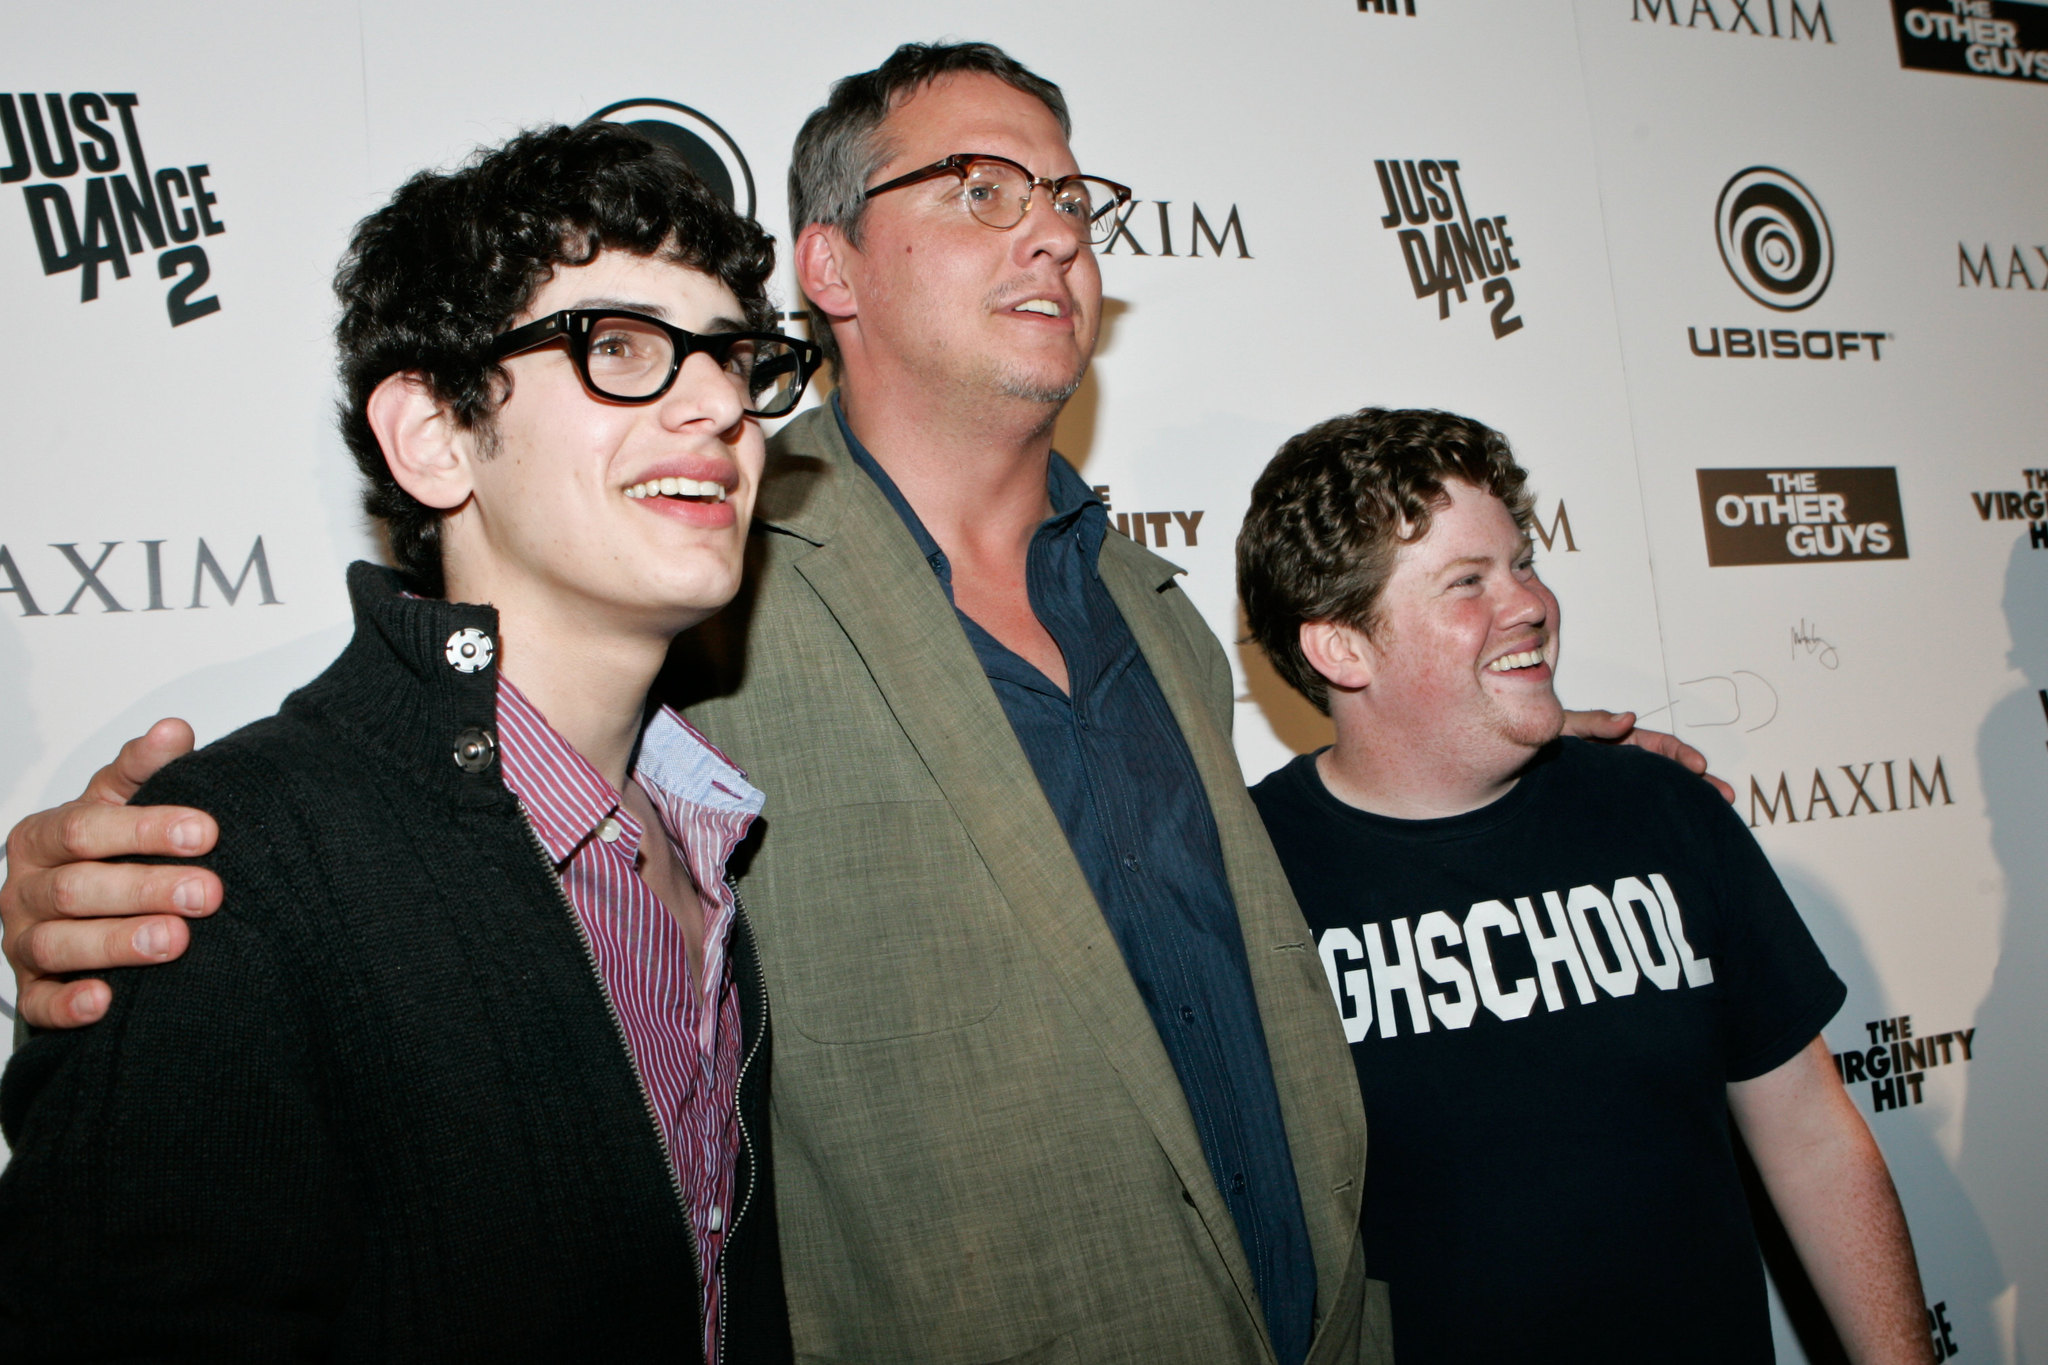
column 417, row 686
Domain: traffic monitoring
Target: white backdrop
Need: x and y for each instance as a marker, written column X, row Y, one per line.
column 1258, row 289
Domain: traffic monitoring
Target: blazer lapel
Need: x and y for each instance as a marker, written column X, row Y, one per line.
column 869, row 574
column 1300, row 1041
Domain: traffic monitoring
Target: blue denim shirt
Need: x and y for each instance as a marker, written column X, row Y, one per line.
column 1116, row 769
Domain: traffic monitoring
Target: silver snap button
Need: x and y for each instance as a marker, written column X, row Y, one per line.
column 470, row 650
column 475, row 750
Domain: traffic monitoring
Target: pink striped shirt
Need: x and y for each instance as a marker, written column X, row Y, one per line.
column 684, row 1035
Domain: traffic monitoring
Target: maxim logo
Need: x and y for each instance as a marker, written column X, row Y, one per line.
column 1798, row 22
column 1446, row 248
column 101, row 578
column 1980, row 271
column 117, row 208
column 1808, row 516
column 1134, row 230
column 1560, row 529
column 1896, row 1063
column 2002, row 39
column 2030, row 506
column 709, row 149
column 1861, row 787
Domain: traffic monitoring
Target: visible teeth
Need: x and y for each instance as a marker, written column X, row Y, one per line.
column 1513, row 661
column 1045, row 306
column 678, row 488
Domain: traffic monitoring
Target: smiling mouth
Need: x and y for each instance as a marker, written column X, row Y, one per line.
column 688, row 490
column 1509, row 663
column 1044, row 306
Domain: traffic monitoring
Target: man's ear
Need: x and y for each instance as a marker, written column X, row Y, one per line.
column 1339, row 652
column 821, row 270
column 428, row 452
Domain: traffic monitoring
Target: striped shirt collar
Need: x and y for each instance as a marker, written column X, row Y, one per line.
column 569, row 801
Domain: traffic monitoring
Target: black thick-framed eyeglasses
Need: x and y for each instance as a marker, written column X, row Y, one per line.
column 632, row 358
column 997, row 191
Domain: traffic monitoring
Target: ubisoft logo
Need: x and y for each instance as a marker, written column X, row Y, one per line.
column 1774, row 238
column 709, row 149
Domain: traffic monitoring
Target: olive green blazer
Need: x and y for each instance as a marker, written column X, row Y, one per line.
column 982, row 1152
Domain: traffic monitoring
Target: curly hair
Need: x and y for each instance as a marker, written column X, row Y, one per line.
column 840, row 146
column 429, row 279
column 1332, row 510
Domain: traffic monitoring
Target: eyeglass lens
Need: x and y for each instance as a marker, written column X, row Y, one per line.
column 630, row 358
column 996, row 196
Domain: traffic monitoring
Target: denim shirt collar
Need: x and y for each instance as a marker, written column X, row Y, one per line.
column 1075, row 507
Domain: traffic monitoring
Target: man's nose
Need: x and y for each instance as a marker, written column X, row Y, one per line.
column 1044, row 228
column 704, row 391
column 1523, row 603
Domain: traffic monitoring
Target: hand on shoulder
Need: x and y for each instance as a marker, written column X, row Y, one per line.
column 1619, row 727
column 66, row 910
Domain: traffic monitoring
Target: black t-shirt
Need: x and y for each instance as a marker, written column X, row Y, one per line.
column 1546, row 999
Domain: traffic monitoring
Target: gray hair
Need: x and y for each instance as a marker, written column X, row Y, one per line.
column 840, row 146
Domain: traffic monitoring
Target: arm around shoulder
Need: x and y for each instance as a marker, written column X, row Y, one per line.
column 174, row 1188
column 66, row 912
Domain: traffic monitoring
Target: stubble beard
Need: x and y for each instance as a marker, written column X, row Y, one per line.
column 1010, row 384
column 1529, row 727
column 1013, row 381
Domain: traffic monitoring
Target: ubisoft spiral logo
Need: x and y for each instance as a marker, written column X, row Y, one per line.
column 709, row 149
column 1774, row 238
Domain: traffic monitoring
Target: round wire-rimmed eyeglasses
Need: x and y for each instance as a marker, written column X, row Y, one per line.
column 997, row 191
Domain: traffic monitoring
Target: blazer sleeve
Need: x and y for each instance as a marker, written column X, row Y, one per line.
column 174, row 1190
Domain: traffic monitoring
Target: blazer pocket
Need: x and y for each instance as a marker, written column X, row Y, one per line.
column 891, row 927
column 1058, row 1351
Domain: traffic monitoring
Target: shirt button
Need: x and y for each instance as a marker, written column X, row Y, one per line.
column 1187, row 1014
column 608, row 833
column 716, row 1222
column 1130, row 862
column 474, row 750
column 469, row 650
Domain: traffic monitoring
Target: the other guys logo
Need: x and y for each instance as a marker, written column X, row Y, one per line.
column 1801, row 516
column 2002, row 39
column 96, row 202
column 1449, row 251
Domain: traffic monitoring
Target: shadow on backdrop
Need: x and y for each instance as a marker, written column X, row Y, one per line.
column 215, row 699
column 1074, row 436
column 1295, row 722
column 21, row 739
column 1959, row 1265
column 2005, row 1138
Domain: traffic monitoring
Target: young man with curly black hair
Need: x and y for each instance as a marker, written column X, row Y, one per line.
column 1560, row 965
column 473, row 1061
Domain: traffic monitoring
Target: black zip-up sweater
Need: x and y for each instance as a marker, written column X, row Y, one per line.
column 380, row 1109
